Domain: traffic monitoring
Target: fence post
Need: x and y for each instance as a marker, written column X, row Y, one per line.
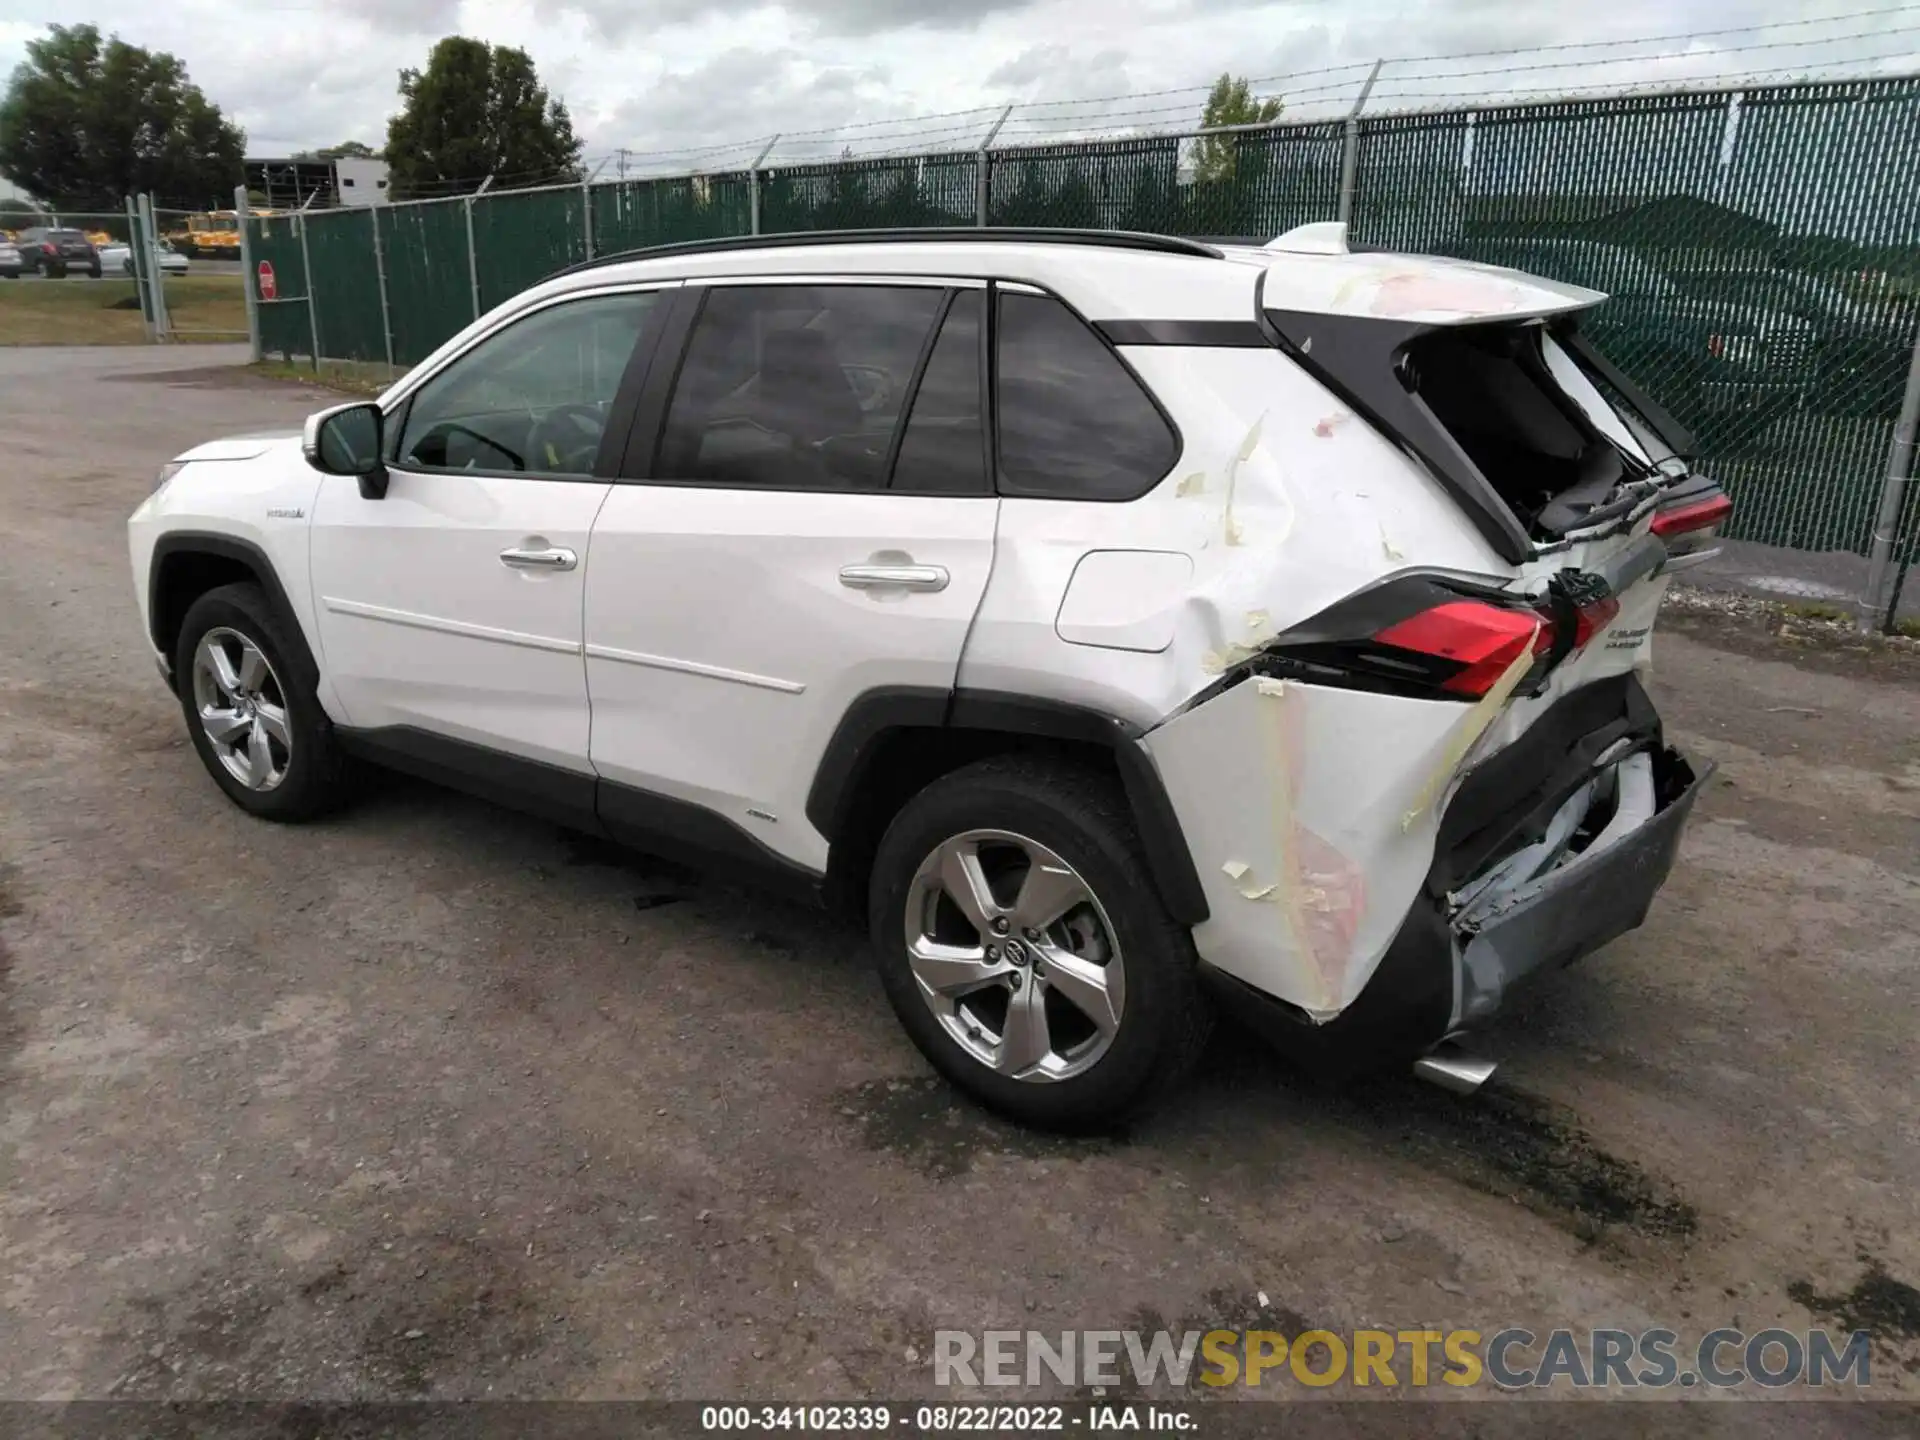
column 162, row 323
column 380, row 275
column 306, row 275
column 1350, row 146
column 982, row 160
column 753, row 184
column 243, row 210
column 473, row 255
column 1892, row 492
column 136, row 243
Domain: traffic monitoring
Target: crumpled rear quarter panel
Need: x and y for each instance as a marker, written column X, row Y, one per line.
column 1311, row 814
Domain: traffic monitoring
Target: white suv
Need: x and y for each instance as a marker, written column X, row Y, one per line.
column 1118, row 622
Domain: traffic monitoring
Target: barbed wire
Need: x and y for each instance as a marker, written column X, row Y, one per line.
column 1044, row 122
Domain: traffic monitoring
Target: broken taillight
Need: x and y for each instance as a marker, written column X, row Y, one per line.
column 1484, row 640
column 1695, row 515
column 1588, row 621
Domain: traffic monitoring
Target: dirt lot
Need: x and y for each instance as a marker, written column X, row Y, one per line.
column 431, row 1100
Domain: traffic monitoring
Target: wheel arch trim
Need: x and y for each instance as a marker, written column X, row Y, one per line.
column 225, row 547
column 879, row 714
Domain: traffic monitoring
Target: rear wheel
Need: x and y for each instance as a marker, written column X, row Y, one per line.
column 252, row 714
column 1025, row 949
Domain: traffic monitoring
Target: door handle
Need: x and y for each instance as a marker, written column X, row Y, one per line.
column 557, row 558
column 894, row 577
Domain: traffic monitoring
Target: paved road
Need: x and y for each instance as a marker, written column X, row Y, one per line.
column 435, row 1100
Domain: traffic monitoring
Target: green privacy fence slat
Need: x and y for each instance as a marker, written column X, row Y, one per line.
column 1100, row 185
column 429, row 284
column 345, row 276
column 521, row 239
column 1761, row 248
column 867, row 194
column 283, row 322
column 631, row 215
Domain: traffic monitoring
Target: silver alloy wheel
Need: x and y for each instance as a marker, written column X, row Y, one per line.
column 242, row 708
column 1015, row 956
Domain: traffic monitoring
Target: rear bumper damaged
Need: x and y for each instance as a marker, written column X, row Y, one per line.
column 1545, row 852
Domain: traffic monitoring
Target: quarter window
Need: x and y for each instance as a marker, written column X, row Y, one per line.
column 533, row 397
column 1074, row 423
column 796, row 387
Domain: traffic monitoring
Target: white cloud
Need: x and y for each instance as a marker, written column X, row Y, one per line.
column 666, row 75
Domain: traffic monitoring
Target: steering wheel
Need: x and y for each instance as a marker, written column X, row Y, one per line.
column 566, row 440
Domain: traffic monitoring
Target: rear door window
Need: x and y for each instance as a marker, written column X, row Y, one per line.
column 1074, row 423
column 796, row 387
column 943, row 451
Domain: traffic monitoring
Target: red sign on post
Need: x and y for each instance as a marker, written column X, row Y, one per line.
column 269, row 287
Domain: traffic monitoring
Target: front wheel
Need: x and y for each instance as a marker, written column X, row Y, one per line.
column 1025, row 949
column 251, row 710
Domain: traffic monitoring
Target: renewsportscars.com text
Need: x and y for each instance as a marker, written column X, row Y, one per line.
column 1510, row 1358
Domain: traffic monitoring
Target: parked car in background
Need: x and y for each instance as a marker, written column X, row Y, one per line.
column 1721, row 363
column 1862, row 343
column 54, row 253
column 10, row 263
column 117, row 258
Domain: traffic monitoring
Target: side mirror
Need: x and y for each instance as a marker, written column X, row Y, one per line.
column 347, row 440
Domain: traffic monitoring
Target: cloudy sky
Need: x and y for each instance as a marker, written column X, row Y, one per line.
column 674, row 75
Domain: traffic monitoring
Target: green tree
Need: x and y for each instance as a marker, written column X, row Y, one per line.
column 478, row 110
column 1230, row 102
column 87, row 122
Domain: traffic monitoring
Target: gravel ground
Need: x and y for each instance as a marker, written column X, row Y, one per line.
column 434, row 1101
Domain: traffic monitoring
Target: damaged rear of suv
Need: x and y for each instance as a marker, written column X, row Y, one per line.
column 1449, row 780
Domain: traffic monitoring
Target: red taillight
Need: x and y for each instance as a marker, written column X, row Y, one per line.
column 1699, row 515
column 1589, row 620
column 1483, row 639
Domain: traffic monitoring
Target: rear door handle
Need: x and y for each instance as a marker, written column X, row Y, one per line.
column 894, row 577
column 556, row 558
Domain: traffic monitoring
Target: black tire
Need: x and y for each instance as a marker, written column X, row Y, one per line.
column 315, row 778
column 94, row 270
column 1082, row 816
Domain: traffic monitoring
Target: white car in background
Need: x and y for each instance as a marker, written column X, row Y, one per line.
column 1114, row 621
column 10, row 263
column 117, row 258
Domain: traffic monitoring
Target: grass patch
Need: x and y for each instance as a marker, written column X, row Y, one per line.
column 1817, row 610
column 349, row 377
column 107, row 312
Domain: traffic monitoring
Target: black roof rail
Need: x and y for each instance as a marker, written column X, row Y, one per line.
column 1110, row 239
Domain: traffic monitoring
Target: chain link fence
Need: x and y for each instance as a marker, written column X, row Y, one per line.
column 1762, row 247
